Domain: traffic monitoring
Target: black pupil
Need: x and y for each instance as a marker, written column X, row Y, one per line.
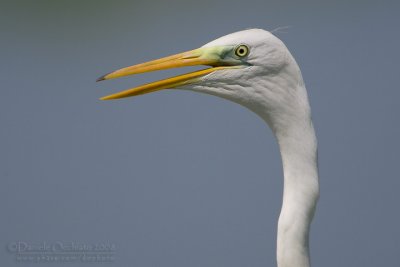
column 241, row 51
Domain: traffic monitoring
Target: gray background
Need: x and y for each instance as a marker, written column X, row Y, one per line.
column 182, row 179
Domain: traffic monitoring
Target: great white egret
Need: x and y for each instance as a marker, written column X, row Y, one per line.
column 255, row 69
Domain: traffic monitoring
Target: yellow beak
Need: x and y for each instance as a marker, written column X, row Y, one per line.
column 202, row 56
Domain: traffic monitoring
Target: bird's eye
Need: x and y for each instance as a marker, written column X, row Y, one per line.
column 242, row 50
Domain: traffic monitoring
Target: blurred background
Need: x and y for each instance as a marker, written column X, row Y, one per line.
column 182, row 179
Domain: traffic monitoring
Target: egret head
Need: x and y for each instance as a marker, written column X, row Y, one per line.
column 251, row 67
column 255, row 69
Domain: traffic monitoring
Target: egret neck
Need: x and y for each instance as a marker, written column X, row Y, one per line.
column 300, row 195
column 298, row 146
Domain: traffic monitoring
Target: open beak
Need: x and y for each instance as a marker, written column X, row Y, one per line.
column 209, row 56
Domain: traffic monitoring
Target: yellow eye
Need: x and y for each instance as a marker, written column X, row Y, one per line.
column 242, row 50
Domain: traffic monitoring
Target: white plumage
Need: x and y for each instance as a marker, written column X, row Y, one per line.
column 255, row 69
